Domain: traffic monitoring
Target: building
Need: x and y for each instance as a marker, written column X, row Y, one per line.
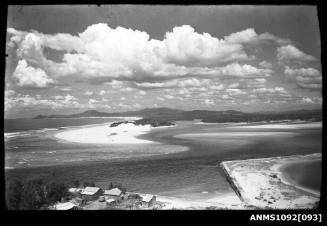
column 110, row 202
column 75, row 190
column 148, row 200
column 114, row 193
column 65, row 206
column 91, row 193
column 78, row 201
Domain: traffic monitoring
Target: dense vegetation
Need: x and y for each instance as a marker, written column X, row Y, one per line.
column 34, row 194
column 164, row 116
column 39, row 194
column 145, row 121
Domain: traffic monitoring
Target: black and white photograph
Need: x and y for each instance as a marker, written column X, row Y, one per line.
column 162, row 107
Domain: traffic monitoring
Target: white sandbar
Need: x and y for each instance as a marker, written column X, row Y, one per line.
column 104, row 134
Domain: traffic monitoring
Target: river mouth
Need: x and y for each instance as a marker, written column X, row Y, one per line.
column 304, row 174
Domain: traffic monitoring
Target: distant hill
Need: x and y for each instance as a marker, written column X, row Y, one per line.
column 205, row 116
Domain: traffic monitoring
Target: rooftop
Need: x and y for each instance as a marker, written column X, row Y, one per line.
column 64, row 206
column 114, row 192
column 90, row 190
column 147, row 197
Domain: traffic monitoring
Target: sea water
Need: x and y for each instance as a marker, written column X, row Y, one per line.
column 306, row 174
column 178, row 166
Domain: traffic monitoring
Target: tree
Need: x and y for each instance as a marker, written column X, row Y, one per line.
column 55, row 192
column 76, row 183
column 33, row 194
column 89, row 184
column 117, row 185
column 14, row 190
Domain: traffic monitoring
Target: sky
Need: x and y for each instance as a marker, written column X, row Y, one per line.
column 69, row 58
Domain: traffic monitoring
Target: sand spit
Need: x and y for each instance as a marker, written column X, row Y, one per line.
column 104, row 134
column 259, row 183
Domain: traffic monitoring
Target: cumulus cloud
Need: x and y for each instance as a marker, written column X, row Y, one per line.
column 217, row 87
column 9, row 93
column 270, row 90
column 185, row 46
column 57, row 102
column 141, row 92
column 181, row 83
column 88, row 93
column 250, row 36
column 66, row 89
column 234, row 85
column 102, row 92
column 307, row 100
column 28, row 76
column 169, row 97
column 235, row 92
column 309, row 78
column 265, row 64
column 245, row 70
column 208, row 102
column 93, row 101
column 101, row 53
column 290, row 52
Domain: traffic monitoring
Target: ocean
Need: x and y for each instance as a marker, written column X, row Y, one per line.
column 176, row 165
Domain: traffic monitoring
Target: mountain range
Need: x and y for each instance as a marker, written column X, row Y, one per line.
column 204, row 115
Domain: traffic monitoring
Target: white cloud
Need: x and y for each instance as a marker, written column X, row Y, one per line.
column 217, row 87
column 226, row 97
column 309, row 78
column 27, row 101
column 141, row 92
column 93, row 101
column 265, row 64
column 245, row 70
column 169, row 97
column 302, row 71
column 181, row 83
column 9, row 93
column 101, row 53
column 235, row 92
column 307, row 100
column 208, row 102
column 234, row 85
column 250, row 36
column 28, row 76
column 184, row 46
column 66, row 89
column 271, row 90
column 102, row 92
column 290, row 52
column 88, row 93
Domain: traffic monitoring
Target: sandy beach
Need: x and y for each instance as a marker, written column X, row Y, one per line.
column 104, row 134
column 226, row 201
column 260, row 183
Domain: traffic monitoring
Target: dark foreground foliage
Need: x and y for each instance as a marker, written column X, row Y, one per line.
column 33, row 194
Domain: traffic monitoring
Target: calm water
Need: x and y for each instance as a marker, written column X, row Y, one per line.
column 175, row 165
column 305, row 174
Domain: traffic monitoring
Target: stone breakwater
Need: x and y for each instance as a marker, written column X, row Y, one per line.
column 259, row 183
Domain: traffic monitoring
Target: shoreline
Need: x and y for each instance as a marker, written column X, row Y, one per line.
column 260, row 183
column 289, row 181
